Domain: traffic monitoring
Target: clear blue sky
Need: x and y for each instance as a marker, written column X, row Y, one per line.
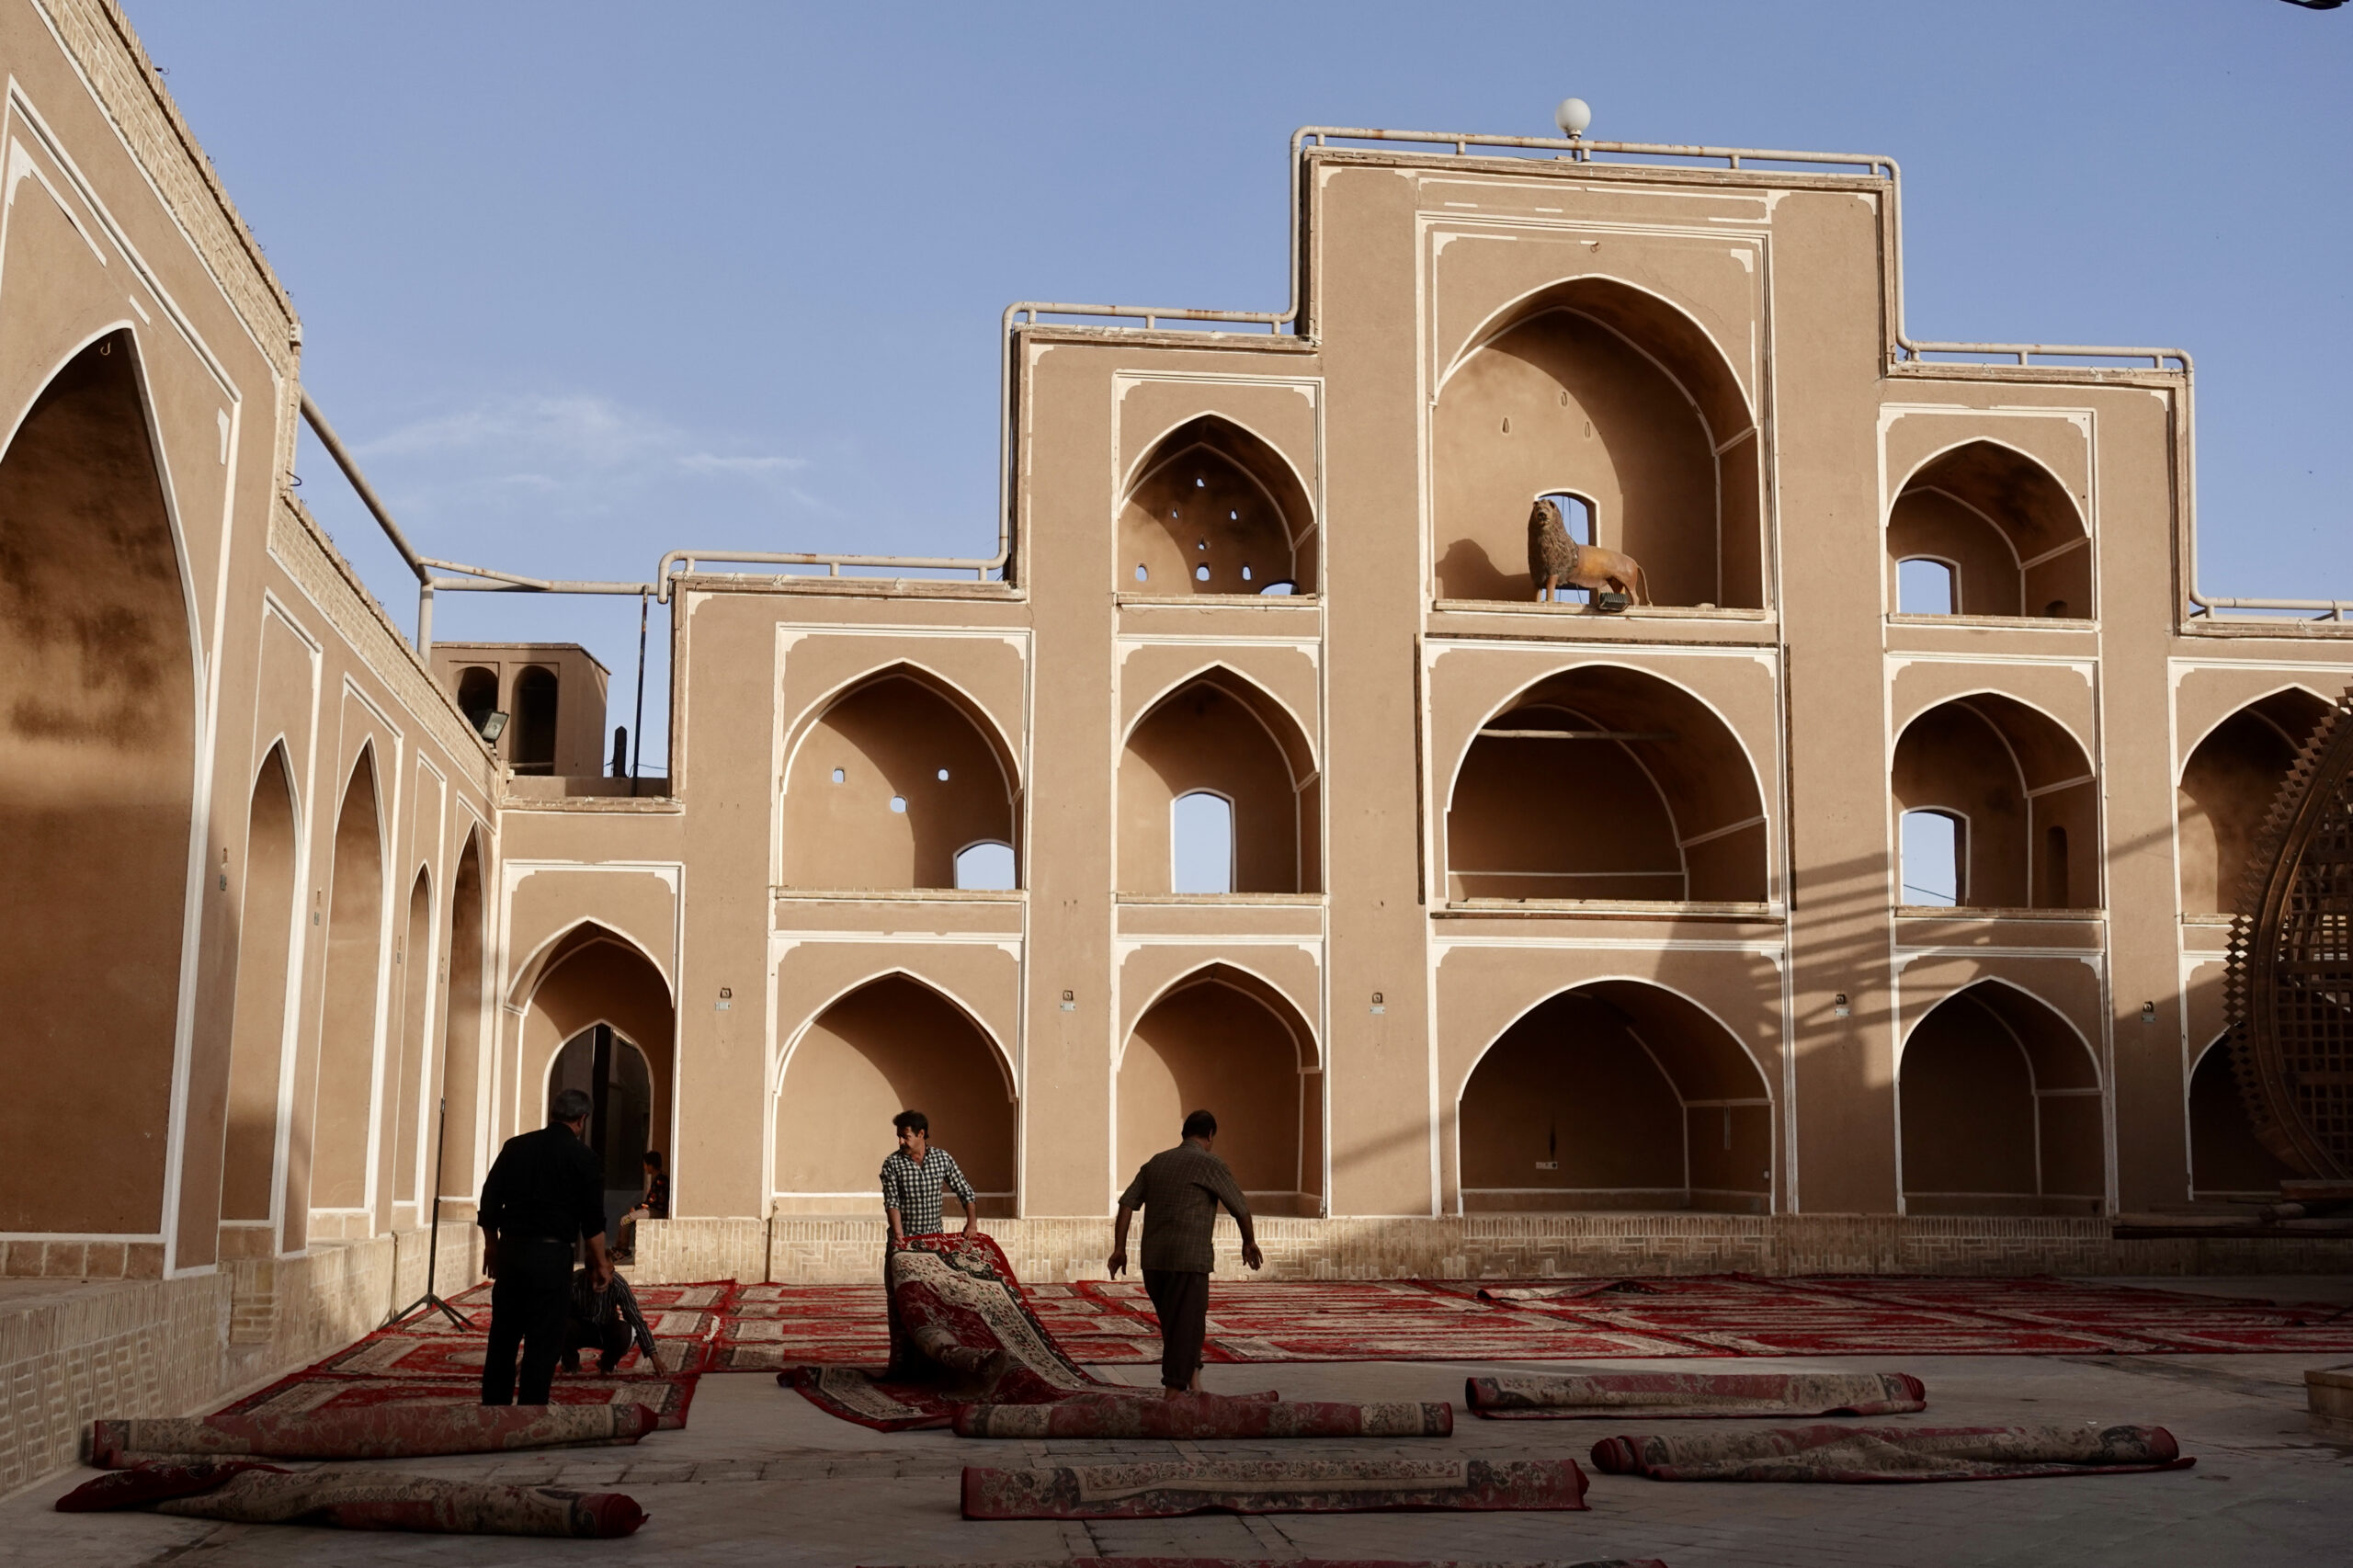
column 585, row 282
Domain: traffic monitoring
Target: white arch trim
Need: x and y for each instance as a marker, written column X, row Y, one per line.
column 1896, row 491
column 1152, row 460
column 1471, row 1068
column 1904, row 1043
column 518, row 997
column 2190, row 751
column 1905, row 723
column 547, row 1072
column 1305, row 1048
column 997, row 1054
column 812, row 714
column 1160, row 698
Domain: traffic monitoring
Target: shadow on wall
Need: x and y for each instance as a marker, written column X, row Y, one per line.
column 2227, row 788
column 2023, row 797
column 1215, row 510
column 891, row 1045
column 98, row 734
column 2001, row 1110
column 1607, row 783
column 1615, row 1095
column 1224, row 1041
column 2012, row 541
column 889, row 786
column 1606, row 392
column 2226, row 1160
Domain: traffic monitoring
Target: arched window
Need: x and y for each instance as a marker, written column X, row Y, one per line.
column 1200, row 842
column 1934, row 850
column 533, row 750
column 1924, row 585
column 985, row 867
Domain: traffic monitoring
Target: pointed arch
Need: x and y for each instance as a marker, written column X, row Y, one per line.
column 2227, row 1161
column 1219, row 732
column 891, row 1041
column 1221, row 1038
column 1213, row 507
column 593, row 975
column 2026, row 787
column 1649, row 796
column 1617, row 1092
column 100, row 729
column 415, row 1054
column 2018, row 539
column 2226, row 787
column 1607, row 389
column 2001, row 1107
column 466, row 940
column 349, row 1010
column 267, row 990
column 887, row 776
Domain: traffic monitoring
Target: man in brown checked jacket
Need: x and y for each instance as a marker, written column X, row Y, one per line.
column 1179, row 1189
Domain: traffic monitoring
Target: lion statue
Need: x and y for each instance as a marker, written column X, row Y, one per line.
column 1556, row 561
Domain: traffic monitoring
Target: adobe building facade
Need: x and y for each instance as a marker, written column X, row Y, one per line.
column 1503, row 937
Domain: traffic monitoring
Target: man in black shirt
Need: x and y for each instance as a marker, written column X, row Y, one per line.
column 543, row 1194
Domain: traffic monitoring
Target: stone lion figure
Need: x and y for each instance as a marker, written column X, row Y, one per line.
column 1556, row 561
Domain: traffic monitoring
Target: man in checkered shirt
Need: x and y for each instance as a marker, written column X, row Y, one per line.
column 913, row 1177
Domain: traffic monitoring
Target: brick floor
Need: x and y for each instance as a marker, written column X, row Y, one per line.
column 761, row 1476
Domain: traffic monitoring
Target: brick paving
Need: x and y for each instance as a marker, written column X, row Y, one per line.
column 761, row 1476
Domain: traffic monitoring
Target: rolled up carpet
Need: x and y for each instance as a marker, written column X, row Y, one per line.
column 387, row 1431
column 1166, row 1488
column 1318, row 1562
column 1694, row 1394
column 1891, row 1453
column 249, row 1493
column 1202, row 1416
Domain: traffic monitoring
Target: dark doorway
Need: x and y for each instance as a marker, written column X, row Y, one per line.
column 613, row 1072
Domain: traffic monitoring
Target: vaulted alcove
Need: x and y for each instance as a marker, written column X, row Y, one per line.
column 2005, row 529
column 2227, row 788
column 2001, row 1110
column 1213, row 509
column 2023, row 795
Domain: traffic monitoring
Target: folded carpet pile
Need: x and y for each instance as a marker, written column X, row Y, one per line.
column 1163, row 1489
column 1892, row 1453
column 1150, row 1413
column 248, row 1492
column 380, row 1431
column 960, row 1333
column 1694, row 1394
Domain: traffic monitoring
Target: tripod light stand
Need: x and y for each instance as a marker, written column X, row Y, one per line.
column 433, row 1245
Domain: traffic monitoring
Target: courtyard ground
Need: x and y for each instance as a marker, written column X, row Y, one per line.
column 759, row 1475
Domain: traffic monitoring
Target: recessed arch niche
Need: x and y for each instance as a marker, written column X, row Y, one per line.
column 892, row 782
column 97, row 745
column 1214, row 509
column 1225, row 1042
column 2227, row 788
column 2016, row 541
column 2226, row 1160
column 593, row 977
column 347, row 1020
column 2023, row 792
column 1221, row 733
column 258, row 1032
column 1608, row 393
column 1605, row 782
column 890, row 1044
column 1615, row 1094
column 2001, row 1110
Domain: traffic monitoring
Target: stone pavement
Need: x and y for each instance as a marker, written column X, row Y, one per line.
column 761, row 1476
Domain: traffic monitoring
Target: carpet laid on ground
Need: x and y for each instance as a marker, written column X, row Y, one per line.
column 1892, row 1453
column 368, row 1432
column 1151, row 1413
column 1162, row 1489
column 248, row 1492
column 1693, row 1394
column 1710, row 1316
column 962, row 1333
column 1318, row 1562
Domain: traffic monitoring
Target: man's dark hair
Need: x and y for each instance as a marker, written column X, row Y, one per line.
column 571, row 1105
column 912, row 1121
column 1200, row 1124
column 653, row 1158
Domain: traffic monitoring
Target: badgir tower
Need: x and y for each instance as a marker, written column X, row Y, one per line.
column 1839, row 882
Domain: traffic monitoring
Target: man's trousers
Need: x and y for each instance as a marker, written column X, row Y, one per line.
column 530, row 1303
column 1181, row 1298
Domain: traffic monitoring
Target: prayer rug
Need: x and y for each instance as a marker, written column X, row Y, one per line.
column 304, row 1392
column 1892, row 1453
column 248, row 1492
column 963, row 1335
column 2136, row 1318
column 1666, row 1394
column 371, row 1432
column 1151, row 1413
column 1396, row 1320
column 1162, row 1489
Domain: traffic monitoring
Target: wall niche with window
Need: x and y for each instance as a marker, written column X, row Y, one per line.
column 1213, row 509
column 1985, row 530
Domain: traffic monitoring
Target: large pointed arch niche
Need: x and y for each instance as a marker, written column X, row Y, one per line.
column 1606, row 782
column 1213, row 509
column 2024, row 797
column 1221, row 735
column 2001, row 1110
column 2227, row 788
column 594, row 977
column 891, row 783
column 1606, row 392
column 891, row 1044
column 97, row 736
column 1617, row 1095
column 1225, row 1042
column 2015, row 542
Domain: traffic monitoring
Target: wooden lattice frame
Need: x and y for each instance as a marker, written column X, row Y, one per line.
column 2289, row 986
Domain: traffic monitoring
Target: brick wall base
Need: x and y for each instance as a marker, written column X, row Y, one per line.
column 803, row 1249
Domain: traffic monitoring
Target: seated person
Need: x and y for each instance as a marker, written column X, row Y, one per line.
column 653, row 1203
